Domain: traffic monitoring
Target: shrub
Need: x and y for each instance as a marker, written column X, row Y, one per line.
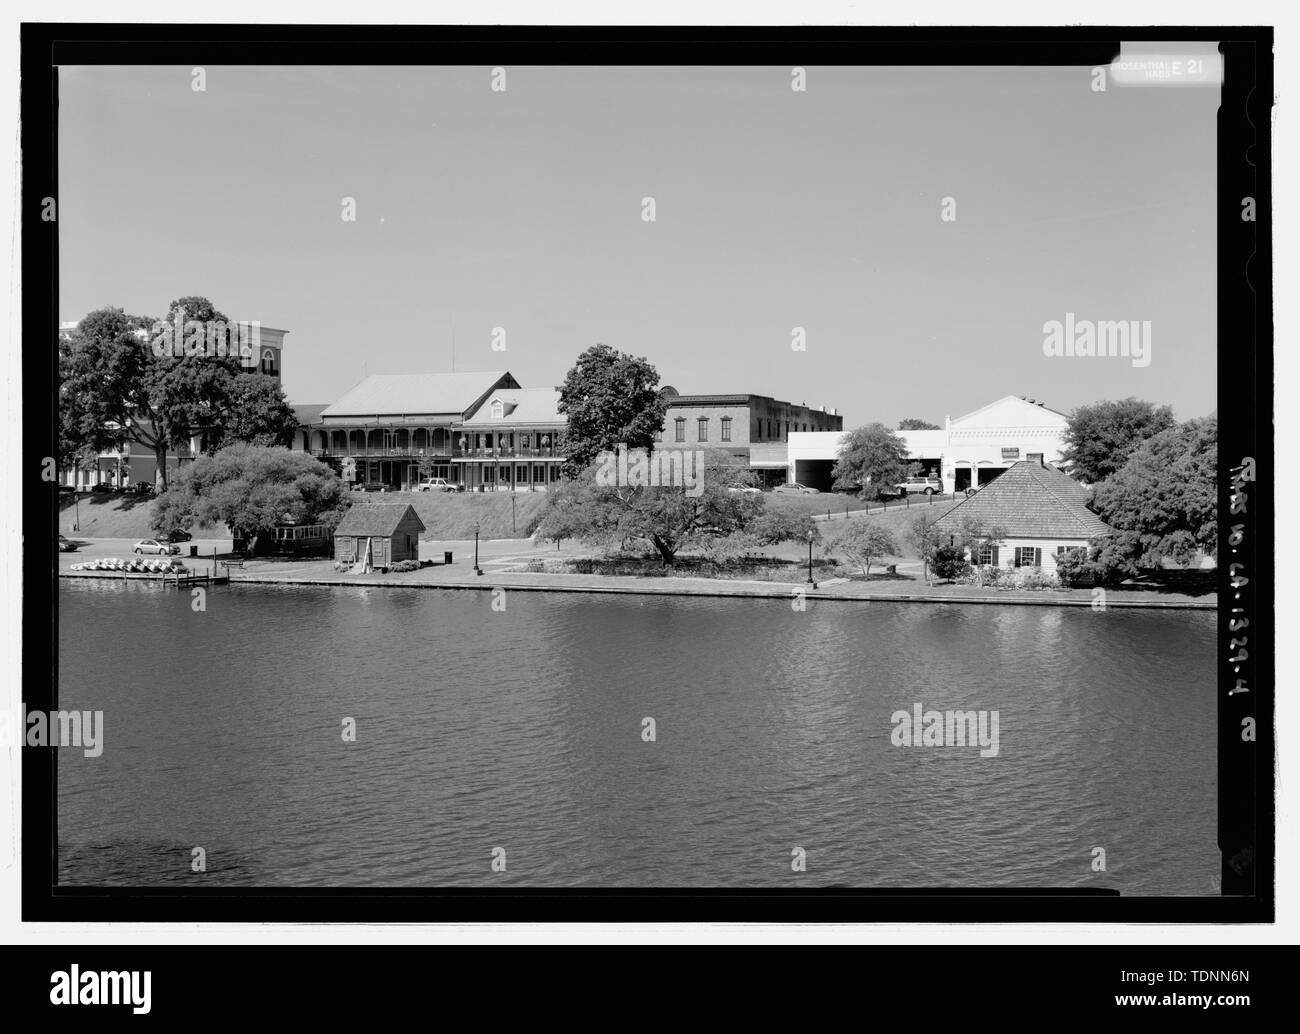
column 1104, row 563
column 403, row 566
column 949, row 563
column 1075, row 570
column 1033, row 578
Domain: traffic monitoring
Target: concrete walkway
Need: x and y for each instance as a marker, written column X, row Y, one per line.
column 504, row 563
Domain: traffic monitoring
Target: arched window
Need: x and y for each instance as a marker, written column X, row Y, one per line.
column 268, row 362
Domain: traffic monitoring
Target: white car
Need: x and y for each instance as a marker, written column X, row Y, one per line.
column 794, row 488
column 435, row 485
column 154, row 546
column 928, row 485
column 744, row 489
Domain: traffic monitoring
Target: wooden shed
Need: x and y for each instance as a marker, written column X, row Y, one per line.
column 378, row 535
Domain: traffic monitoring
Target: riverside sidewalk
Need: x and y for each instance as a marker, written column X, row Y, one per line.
column 505, row 562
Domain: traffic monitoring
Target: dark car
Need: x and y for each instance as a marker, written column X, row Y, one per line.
column 103, row 487
column 66, row 545
column 142, row 488
column 175, row 536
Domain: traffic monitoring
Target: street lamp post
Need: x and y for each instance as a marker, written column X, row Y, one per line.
column 477, row 569
column 810, row 546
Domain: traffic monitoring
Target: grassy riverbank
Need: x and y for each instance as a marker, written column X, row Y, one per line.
column 446, row 515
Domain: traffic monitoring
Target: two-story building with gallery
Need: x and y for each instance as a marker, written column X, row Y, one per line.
column 479, row 430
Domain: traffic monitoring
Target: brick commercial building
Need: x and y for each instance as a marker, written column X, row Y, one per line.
column 753, row 428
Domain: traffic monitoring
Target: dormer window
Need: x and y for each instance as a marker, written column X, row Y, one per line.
column 498, row 409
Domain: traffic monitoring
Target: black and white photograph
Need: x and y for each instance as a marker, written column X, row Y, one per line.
column 681, row 470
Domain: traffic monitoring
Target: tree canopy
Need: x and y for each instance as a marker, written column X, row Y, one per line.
column 914, row 424
column 610, row 398
column 668, row 519
column 250, row 489
column 116, row 389
column 864, row 541
column 1101, row 437
column 1164, row 501
column 871, row 461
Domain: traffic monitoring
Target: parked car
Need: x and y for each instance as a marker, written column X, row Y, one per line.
column 103, row 487
column 66, row 545
column 154, row 546
column 794, row 488
column 926, row 485
column 67, row 490
column 435, row 485
column 746, row 489
column 175, row 536
column 370, row 486
column 141, row 488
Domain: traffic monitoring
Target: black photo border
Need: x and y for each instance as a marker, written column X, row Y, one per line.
column 1246, row 806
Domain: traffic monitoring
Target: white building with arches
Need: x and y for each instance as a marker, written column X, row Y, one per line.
column 966, row 452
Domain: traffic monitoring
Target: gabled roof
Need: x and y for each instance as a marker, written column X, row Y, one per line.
column 1002, row 402
column 414, row 394
column 378, row 519
column 520, row 406
column 1029, row 500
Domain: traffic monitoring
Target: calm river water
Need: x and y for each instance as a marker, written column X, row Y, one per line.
column 522, row 729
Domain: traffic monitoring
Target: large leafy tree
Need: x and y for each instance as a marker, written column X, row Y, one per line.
column 250, row 489
column 115, row 389
column 1163, row 502
column 610, row 398
column 914, row 424
column 1100, row 438
column 667, row 519
column 871, row 461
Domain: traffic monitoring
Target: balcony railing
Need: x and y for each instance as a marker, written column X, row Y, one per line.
column 443, row 452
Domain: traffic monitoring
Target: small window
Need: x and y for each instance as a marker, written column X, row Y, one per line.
column 498, row 409
column 987, row 556
column 1060, row 550
column 680, row 426
column 726, row 428
column 703, row 428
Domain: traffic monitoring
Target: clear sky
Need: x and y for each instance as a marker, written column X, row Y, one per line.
column 774, row 209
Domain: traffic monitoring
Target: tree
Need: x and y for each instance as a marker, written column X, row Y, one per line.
column 610, row 399
column 250, row 489
column 913, row 424
column 120, row 391
column 1100, row 438
column 1164, row 500
column 950, row 563
column 872, row 460
column 865, row 541
column 668, row 519
column 925, row 538
column 255, row 412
